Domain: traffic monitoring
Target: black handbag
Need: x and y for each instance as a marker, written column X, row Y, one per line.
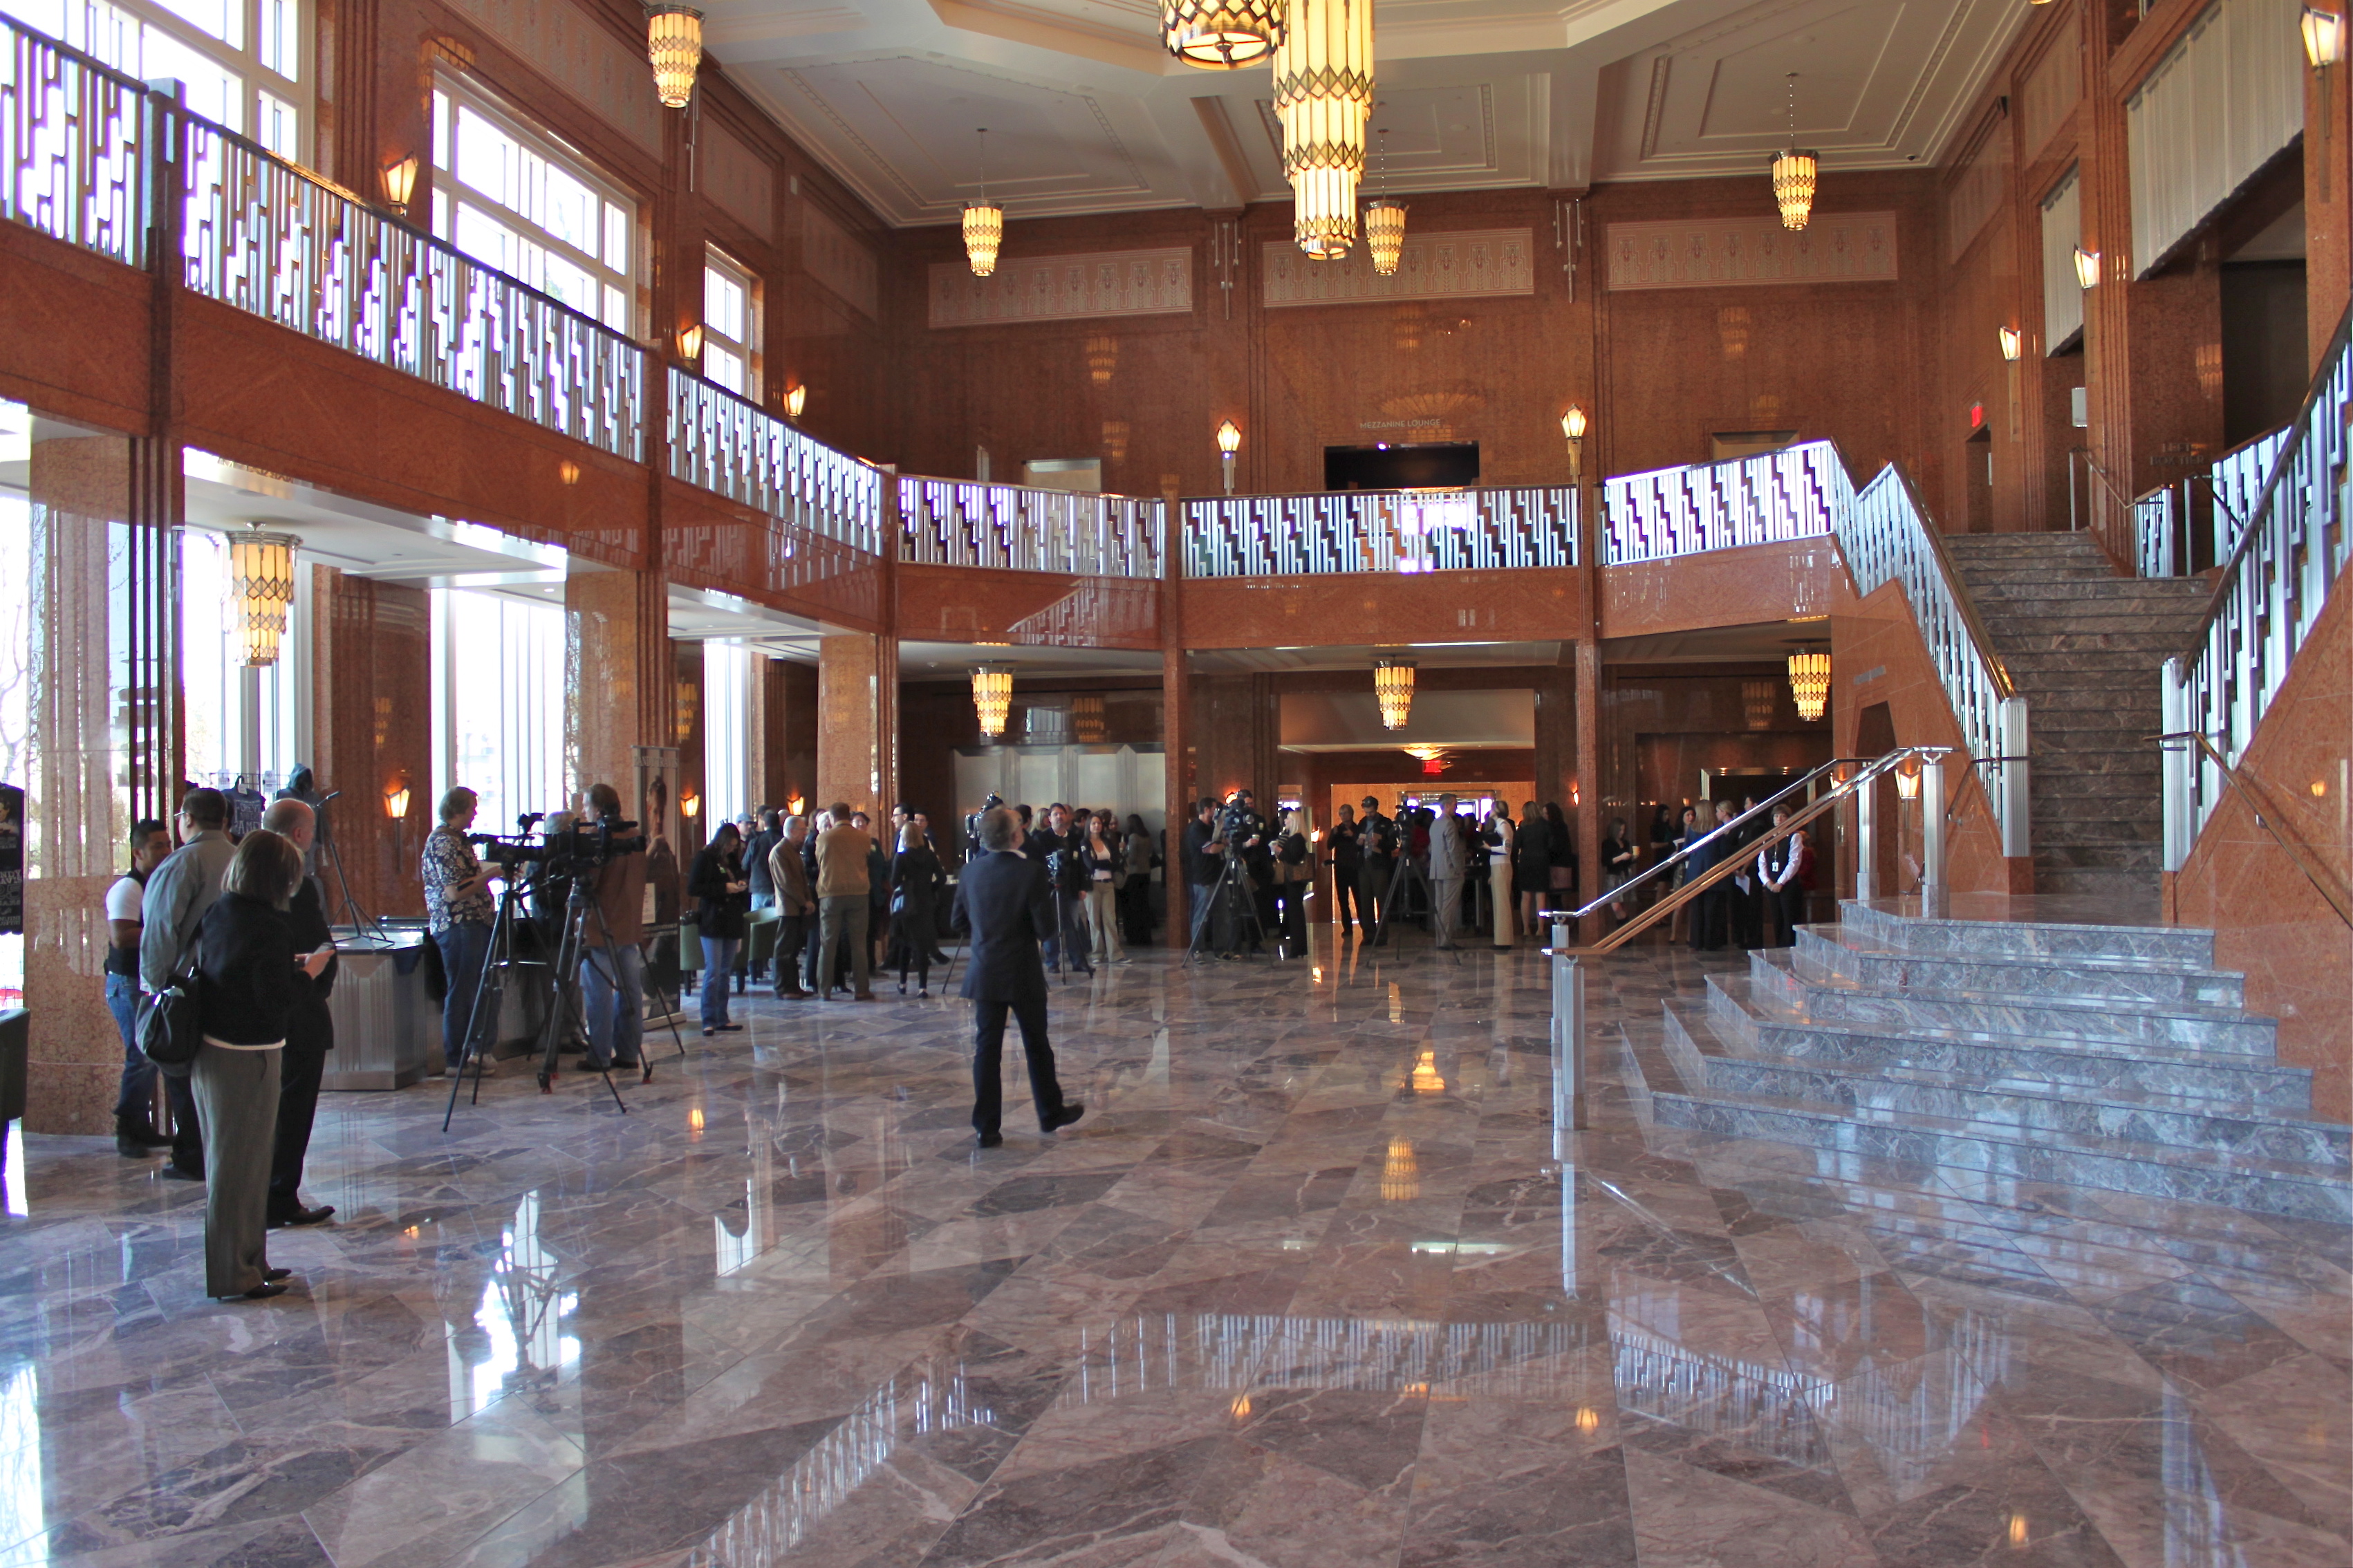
column 170, row 1033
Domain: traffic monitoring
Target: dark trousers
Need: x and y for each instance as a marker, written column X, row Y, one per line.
column 1747, row 913
column 188, row 1132
column 1346, row 897
column 1372, row 892
column 1293, row 928
column 988, row 1063
column 1136, row 911
column 300, row 1065
column 1070, row 917
column 1708, row 913
column 1789, row 908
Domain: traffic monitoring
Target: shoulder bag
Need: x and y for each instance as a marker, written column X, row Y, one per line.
column 169, row 1031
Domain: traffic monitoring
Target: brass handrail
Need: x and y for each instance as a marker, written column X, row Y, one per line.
column 2269, row 818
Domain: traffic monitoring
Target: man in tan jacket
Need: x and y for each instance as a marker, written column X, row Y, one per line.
column 795, row 906
column 842, row 890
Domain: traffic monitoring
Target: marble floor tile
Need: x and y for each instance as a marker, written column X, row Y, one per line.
column 1317, row 1282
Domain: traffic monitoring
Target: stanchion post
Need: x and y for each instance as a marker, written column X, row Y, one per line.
column 1567, row 1037
column 1935, row 900
column 1866, row 847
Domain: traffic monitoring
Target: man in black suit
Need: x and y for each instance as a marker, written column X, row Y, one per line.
column 1003, row 900
column 310, row 1032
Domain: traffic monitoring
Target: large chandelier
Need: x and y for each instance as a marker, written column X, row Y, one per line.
column 1324, row 95
column 1393, row 684
column 261, row 591
column 1220, row 35
column 1809, row 683
column 984, row 221
column 992, row 696
column 1795, row 173
column 674, row 43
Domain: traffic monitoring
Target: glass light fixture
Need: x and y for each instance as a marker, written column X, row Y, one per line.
column 1385, row 233
column 674, row 44
column 400, row 183
column 1809, row 683
column 1221, row 35
column 689, row 805
column 1572, row 428
column 1907, row 779
column 395, row 801
column 2087, row 267
column 1795, row 173
column 2012, row 342
column 984, row 221
column 260, row 591
column 1393, row 685
column 1230, row 441
column 992, row 696
column 2324, row 38
column 689, row 343
column 795, row 399
column 1323, row 98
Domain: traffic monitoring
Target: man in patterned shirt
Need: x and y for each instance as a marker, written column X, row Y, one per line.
column 459, row 912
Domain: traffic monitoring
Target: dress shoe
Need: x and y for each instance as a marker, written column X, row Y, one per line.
column 1071, row 1111
column 731, row 1028
column 795, row 994
column 990, row 1140
column 272, row 1276
column 861, row 996
column 261, row 1292
column 709, row 1032
column 299, row 1215
column 131, row 1148
column 175, row 1173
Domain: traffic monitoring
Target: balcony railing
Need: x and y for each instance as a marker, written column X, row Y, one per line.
column 1776, row 495
column 1379, row 530
column 959, row 522
column 2157, row 523
column 2275, row 583
column 2238, row 484
column 73, row 143
column 734, row 448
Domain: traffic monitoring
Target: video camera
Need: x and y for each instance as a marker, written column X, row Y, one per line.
column 559, row 852
column 1235, row 820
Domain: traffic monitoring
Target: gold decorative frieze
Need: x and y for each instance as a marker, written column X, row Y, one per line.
column 1709, row 253
column 1461, row 264
column 1064, row 287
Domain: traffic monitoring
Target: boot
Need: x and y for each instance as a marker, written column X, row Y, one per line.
column 134, row 1140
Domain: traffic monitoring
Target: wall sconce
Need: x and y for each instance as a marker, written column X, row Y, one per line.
column 399, row 182
column 2087, row 267
column 1230, row 441
column 395, row 801
column 2324, row 38
column 1572, row 427
column 689, row 805
column 690, row 344
column 797, row 806
column 1907, row 779
column 2012, row 342
column 568, row 471
column 795, row 399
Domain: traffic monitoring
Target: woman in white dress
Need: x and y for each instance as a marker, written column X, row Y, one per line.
column 1499, row 870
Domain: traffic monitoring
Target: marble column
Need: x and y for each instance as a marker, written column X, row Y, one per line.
column 858, row 720
column 616, row 674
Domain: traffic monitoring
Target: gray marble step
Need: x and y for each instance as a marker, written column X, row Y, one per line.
column 1823, row 950
column 2181, row 1026
column 1986, row 925
column 2060, row 831
column 2084, row 586
column 1709, row 1064
column 2130, row 885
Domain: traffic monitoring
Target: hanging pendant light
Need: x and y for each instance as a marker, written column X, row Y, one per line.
column 1220, row 35
column 1809, row 684
column 1324, row 95
column 984, row 221
column 1385, row 222
column 1795, row 173
column 260, row 591
column 1393, row 685
column 674, row 43
column 992, row 696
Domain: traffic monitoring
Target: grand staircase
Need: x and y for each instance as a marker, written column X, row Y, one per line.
column 2084, row 647
column 2004, row 1052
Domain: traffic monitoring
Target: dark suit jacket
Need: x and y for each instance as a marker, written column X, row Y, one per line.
column 311, row 1025
column 1002, row 899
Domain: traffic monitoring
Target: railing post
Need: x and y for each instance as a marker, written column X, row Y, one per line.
column 1567, row 1036
column 1934, row 895
column 1866, row 793
column 2178, row 758
column 2017, row 835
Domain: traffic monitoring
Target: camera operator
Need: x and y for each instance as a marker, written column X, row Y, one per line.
column 458, row 913
column 972, row 847
column 1062, row 839
column 612, row 940
column 1247, row 832
column 1199, row 852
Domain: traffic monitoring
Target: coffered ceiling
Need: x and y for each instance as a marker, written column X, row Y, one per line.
column 1085, row 112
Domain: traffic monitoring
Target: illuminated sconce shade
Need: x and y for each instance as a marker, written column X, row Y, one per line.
column 2012, row 342
column 395, row 801
column 2087, row 267
column 1796, row 172
column 400, row 183
column 1907, row 779
column 1385, row 234
column 1809, row 683
column 1393, row 685
column 689, row 343
column 260, row 591
column 984, row 221
column 568, row 471
column 1572, row 428
column 795, row 399
column 2324, row 38
column 992, row 696
column 1323, row 98
column 689, row 805
column 674, row 44
column 1230, row 441
column 1221, row 35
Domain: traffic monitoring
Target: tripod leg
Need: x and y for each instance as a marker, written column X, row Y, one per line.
column 501, row 930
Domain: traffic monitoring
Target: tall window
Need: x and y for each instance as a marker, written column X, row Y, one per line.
column 530, row 206
column 239, row 61
column 726, row 732
column 243, row 725
column 498, row 689
column 729, row 317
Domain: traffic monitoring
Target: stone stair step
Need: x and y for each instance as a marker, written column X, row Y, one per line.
column 1994, row 925
column 1860, row 959
column 2058, row 832
column 2128, row 886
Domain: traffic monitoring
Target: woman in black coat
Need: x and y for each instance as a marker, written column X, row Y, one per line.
column 722, row 895
column 1532, row 867
column 250, row 980
column 916, row 881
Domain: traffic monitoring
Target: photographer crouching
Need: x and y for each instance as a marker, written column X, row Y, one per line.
column 613, row 960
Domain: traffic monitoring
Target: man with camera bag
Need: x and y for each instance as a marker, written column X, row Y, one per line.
column 172, row 906
column 612, row 940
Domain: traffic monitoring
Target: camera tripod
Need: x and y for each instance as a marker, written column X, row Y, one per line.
column 571, row 953
column 1234, row 881
column 1405, row 875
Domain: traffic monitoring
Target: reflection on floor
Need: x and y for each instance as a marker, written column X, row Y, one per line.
column 1317, row 1281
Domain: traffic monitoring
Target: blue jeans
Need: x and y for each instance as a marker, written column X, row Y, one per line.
column 613, row 984
column 718, row 977
column 1199, row 901
column 136, row 1099
column 465, row 948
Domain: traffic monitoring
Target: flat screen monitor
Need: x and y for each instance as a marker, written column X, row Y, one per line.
column 1401, row 465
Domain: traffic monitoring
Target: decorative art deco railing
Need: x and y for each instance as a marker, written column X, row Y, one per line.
column 2275, row 583
column 1775, row 496
column 1886, row 537
column 2156, row 523
column 733, row 447
column 74, row 139
column 2161, row 519
column 961, row 522
column 263, row 235
column 2238, row 484
column 1379, row 530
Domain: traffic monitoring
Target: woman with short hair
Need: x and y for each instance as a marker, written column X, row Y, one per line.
column 915, row 881
column 248, row 979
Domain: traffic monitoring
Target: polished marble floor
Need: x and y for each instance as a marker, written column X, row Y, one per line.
column 1317, row 1281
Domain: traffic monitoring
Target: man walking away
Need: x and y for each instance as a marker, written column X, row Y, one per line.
column 613, row 954
column 170, row 909
column 134, row 1103
column 842, row 893
column 310, row 1028
column 1008, row 910
column 795, row 907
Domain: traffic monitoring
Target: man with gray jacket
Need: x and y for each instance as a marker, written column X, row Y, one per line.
column 1448, row 864
column 178, row 893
